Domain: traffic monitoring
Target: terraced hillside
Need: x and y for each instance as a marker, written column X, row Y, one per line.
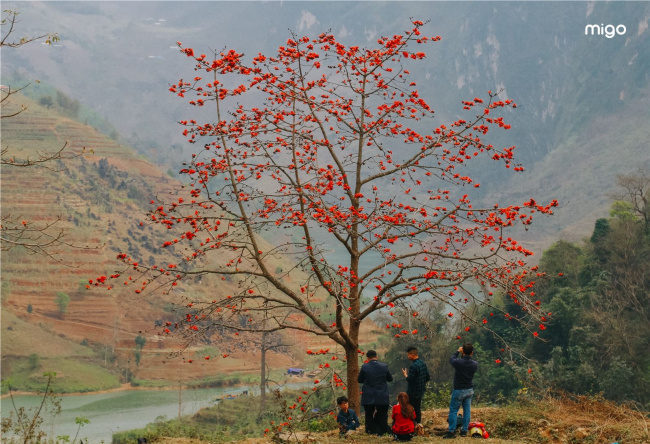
column 100, row 198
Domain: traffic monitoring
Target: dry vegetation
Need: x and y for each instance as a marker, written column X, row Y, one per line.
column 550, row 421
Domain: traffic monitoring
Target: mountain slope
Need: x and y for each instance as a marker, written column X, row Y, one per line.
column 100, row 198
column 581, row 173
column 94, row 216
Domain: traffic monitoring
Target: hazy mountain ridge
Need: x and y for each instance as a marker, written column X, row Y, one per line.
column 119, row 58
column 581, row 173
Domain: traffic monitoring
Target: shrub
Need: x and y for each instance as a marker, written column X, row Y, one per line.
column 34, row 361
column 62, row 300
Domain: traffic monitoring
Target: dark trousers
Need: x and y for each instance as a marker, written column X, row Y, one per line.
column 376, row 419
column 417, row 406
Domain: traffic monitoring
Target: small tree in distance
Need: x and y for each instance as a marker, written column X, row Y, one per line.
column 140, row 341
column 62, row 301
column 340, row 170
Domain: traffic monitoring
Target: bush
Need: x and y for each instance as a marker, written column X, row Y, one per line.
column 323, row 424
column 438, row 396
column 34, row 361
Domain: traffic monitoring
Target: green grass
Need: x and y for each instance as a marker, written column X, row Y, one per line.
column 221, row 381
column 21, row 339
column 72, row 376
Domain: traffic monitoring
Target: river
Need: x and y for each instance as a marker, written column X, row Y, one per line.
column 119, row 410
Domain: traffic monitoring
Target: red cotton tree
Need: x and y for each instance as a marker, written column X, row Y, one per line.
column 340, row 170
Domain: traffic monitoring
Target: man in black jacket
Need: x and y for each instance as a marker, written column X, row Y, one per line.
column 375, row 376
column 465, row 367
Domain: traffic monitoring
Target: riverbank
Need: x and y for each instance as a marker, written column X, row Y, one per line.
column 135, row 408
column 123, row 387
column 151, row 413
column 190, row 385
column 126, row 386
column 118, row 410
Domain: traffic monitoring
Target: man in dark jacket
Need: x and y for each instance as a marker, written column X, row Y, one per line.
column 375, row 376
column 464, row 367
column 417, row 377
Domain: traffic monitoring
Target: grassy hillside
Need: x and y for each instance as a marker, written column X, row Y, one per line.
column 30, row 349
column 96, row 211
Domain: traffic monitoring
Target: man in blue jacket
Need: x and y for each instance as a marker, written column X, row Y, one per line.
column 347, row 418
column 464, row 367
column 375, row 376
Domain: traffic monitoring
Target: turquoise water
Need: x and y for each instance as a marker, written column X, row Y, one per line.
column 118, row 411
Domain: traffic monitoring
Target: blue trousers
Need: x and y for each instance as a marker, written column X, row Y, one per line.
column 458, row 398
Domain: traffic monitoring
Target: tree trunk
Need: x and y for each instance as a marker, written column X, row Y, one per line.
column 180, row 399
column 352, row 375
column 263, row 375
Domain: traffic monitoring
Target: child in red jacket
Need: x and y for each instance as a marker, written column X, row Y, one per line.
column 403, row 417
